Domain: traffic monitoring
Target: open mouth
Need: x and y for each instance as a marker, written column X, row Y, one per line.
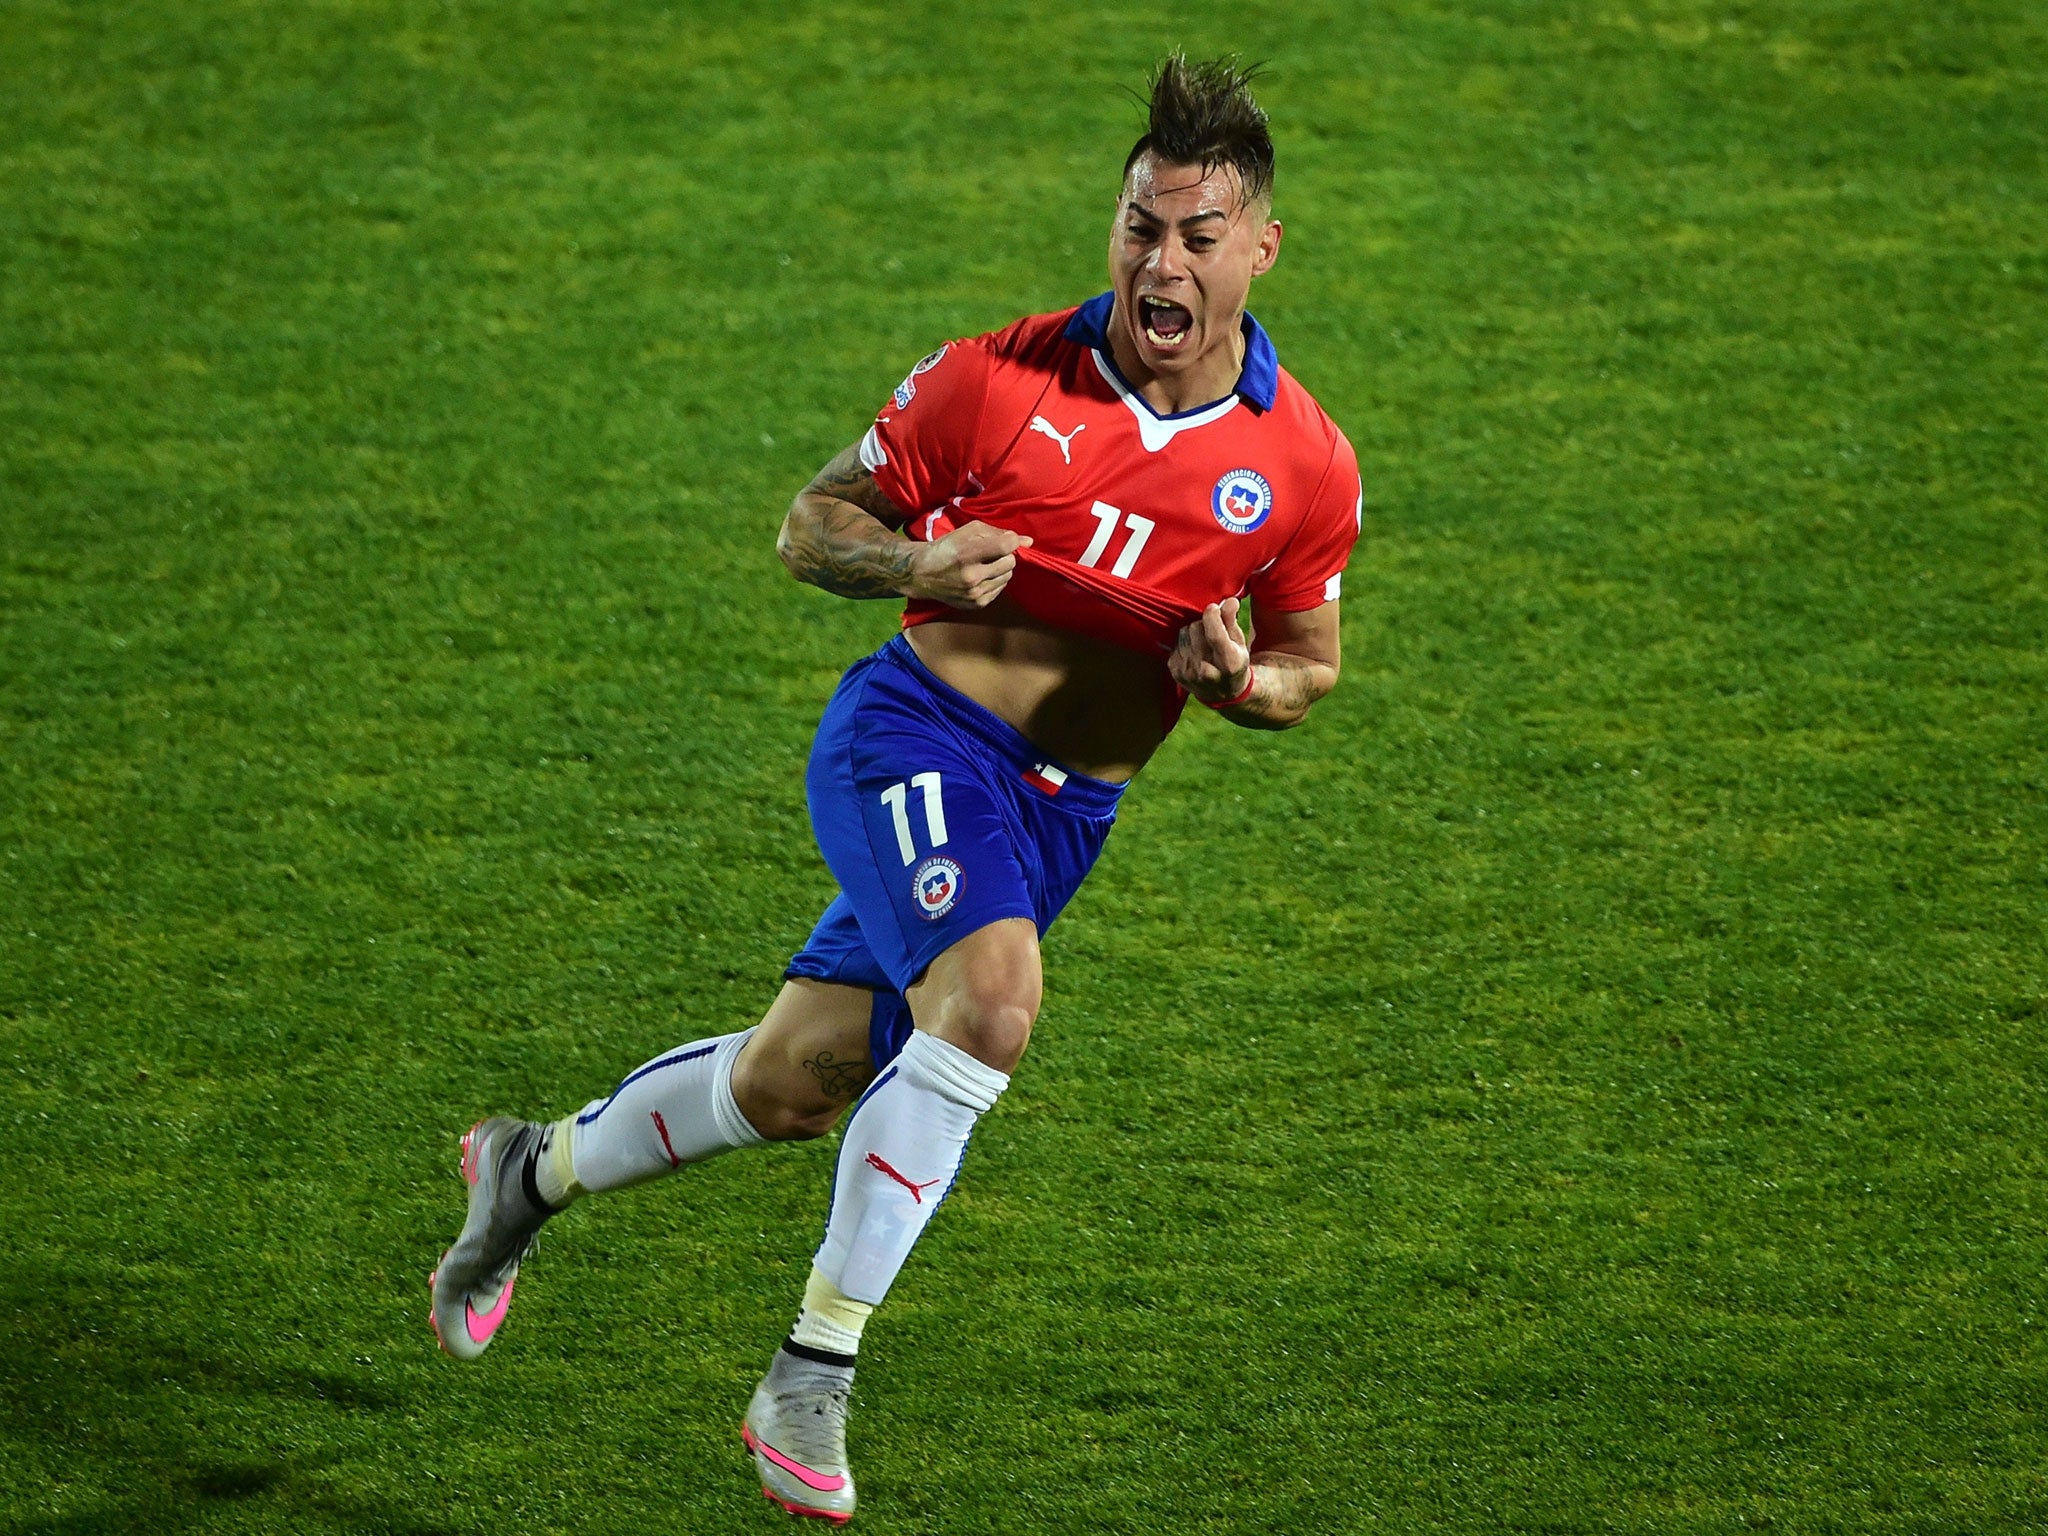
column 1167, row 325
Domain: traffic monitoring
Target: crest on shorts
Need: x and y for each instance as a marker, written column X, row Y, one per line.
column 907, row 390
column 936, row 886
column 1242, row 500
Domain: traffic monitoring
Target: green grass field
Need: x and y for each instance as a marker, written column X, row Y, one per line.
column 1590, row 1079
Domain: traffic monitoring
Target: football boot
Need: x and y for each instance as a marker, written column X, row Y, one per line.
column 473, row 1283
column 796, row 1428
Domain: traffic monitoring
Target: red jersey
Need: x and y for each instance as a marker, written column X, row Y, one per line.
column 1138, row 521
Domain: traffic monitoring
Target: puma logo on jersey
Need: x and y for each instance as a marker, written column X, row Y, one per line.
column 1040, row 424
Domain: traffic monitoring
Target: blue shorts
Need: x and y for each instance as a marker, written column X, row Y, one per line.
column 937, row 818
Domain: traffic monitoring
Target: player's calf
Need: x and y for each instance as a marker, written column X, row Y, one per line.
column 676, row 1109
column 807, row 1062
column 898, row 1158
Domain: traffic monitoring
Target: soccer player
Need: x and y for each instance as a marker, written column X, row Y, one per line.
column 1076, row 508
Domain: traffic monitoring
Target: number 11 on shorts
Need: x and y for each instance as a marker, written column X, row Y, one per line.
column 934, row 813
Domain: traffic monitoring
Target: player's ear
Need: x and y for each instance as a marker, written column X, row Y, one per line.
column 1267, row 250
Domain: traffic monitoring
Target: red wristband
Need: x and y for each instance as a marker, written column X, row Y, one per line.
column 1251, row 677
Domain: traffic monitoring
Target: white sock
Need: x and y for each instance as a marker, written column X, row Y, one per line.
column 676, row 1109
column 899, row 1155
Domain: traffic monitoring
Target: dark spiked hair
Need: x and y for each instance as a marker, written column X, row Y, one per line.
column 1203, row 114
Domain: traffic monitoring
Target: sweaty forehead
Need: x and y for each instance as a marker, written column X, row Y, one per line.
column 1176, row 192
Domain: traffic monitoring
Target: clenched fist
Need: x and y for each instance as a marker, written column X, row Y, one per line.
column 968, row 568
column 1212, row 658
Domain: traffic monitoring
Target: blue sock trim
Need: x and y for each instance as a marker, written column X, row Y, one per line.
column 846, row 1130
column 956, row 1170
column 873, row 1088
column 653, row 1066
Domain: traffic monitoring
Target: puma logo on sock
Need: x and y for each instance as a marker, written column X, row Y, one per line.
column 661, row 1128
column 875, row 1161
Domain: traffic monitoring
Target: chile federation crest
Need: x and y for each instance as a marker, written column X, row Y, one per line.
column 935, row 887
column 1242, row 500
column 907, row 390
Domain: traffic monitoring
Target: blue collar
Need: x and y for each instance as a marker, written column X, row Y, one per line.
column 1257, row 384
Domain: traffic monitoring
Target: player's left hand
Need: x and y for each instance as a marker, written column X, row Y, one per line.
column 1212, row 659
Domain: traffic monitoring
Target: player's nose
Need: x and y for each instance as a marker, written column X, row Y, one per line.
column 1168, row 259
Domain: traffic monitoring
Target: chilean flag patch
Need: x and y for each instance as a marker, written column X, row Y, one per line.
column 1045, row 778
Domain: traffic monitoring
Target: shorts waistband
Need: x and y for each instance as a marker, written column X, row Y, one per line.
column 1078, row 791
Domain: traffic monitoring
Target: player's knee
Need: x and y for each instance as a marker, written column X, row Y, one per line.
column 982, row 995
column 990, row 1021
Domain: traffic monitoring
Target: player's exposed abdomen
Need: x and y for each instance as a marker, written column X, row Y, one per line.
column 1092, row 706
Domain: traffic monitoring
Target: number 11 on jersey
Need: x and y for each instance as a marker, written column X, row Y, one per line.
column 1106, row 516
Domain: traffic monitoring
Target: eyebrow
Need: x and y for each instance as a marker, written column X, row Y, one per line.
column 1137, row 207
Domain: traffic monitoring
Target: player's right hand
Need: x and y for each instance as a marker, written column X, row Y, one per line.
column 968, row 568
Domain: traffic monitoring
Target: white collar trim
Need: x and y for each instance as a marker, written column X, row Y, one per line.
column 1154, row 430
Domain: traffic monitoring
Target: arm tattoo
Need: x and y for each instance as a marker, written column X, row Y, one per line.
column 835, row 545
column 841, row 533
column 839, row 1079
column 1288, row 684
column 1285, row 686
column 847, row 479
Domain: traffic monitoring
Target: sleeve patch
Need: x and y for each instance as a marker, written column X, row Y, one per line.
column 907, row 390
column 1333, row 588
column 872, row 457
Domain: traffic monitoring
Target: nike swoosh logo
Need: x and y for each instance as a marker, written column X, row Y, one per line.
column 823, row 1482
column 481, row 1328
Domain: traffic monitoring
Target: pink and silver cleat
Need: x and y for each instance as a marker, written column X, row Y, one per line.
column 796, row 1428
column 473, row 1283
